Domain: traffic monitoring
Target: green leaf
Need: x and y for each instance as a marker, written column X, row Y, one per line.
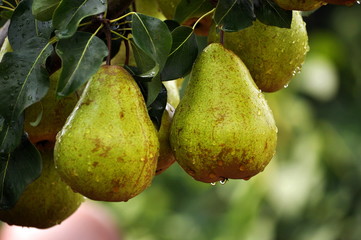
column 146, row 65
column 81, row 56
column 43, row 9
column 183, row 54
column 153, row 37
column 24, row 26
column 195, row 8
column 153, row 89
column 271, row 14
column 234, row 15
column 17, row 170
column 69, row 14
column 24, row 81
column 156, row 109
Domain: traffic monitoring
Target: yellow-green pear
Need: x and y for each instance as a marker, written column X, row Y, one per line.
column 108, row 148
column 150, row 8
column 166, row 154
column 223, row 127
column 273, row 55
column 302, row 5
column 45, row 202
column 53, row 113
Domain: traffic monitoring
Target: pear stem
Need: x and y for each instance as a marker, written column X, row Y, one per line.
column 108, row 36
column 127, row 52
column 221, row 34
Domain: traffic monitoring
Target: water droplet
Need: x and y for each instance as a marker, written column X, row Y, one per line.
column 223, row 181
column 358, row 2
column 259, row 95
column 259, row 113
column 286, row 85
column 213, row 183
column 30, row 97
column 193, row 161
column 142, row 159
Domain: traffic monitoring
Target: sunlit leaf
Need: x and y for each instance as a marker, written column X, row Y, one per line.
column 81, row 56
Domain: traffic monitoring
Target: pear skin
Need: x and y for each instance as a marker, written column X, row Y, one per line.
column 223, row 127
column 166, row 154
column 301, row 5
column 54, row 113
column 45, row 202
column 108, row 148
column 273, row 55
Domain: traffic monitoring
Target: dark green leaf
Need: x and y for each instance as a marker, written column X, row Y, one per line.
column 69, row 14
column 147, row 67
column 195, row 8
column 234, row 15
column 153, row 89
column 183, row 54
column 24, row 26
column 43, row 9
column 81, row 56
column 17, row 170
column 24, row 81
column 271, row 14
column 156, row 109
column 171, row 24
column 153, row 37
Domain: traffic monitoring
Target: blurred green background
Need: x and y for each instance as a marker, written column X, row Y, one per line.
column 311, row 190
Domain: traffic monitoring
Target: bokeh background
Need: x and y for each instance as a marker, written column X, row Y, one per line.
column 311, row 190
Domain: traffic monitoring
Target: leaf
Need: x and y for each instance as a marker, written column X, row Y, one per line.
column 146, row 65
column 153, row 37
column 271, row 14
column 153, row 89
column 24, row 26
column 81, row 56
column 183, row 54
column 43, row 9
column 17, row 170
column 234, row 15
column 69, row 14
column 24, row 81
column 187, row 9
column 156, row 109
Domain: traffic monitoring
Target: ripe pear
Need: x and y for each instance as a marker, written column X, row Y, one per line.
column 108, row 148
column 45, row 202
column 273, row 55
column 54, row 113
column 150, row 8
column 166, row 154
column 223, row 127
column 302, row 5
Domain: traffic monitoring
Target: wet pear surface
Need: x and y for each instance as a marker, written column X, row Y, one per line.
column 273, row 55
column 223, row 127
column 108, row 148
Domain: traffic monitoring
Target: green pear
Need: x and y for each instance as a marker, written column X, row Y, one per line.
column 168, row 7
column 166, row 155
column 273, row 55
column 45, row 202
column 223, row 127
column 108, row 148
column 302, row 5
column 53, row 112
column 150, row 8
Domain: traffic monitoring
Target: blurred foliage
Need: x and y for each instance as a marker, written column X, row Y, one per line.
column 311, row 189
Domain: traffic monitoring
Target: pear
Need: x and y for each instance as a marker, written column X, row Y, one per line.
column 108, row 148
column 223, row 127
column 150, row 8
column 173, row 97
column 45, row 202
column 54, row 113
column 273, row 55
column 166, row 154
column 302, row 5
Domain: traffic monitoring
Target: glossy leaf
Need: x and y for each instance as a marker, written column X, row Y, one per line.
column 24, row 26
column 147, row 67
column 234, row 15
column 24, row 81
column 153, row 37
column 17, row 170
column 271, row 14
column 69, row 14
column 195, row 8
column 156, row 109
column 183, row 54
column 43, row 9
column 81, row 56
